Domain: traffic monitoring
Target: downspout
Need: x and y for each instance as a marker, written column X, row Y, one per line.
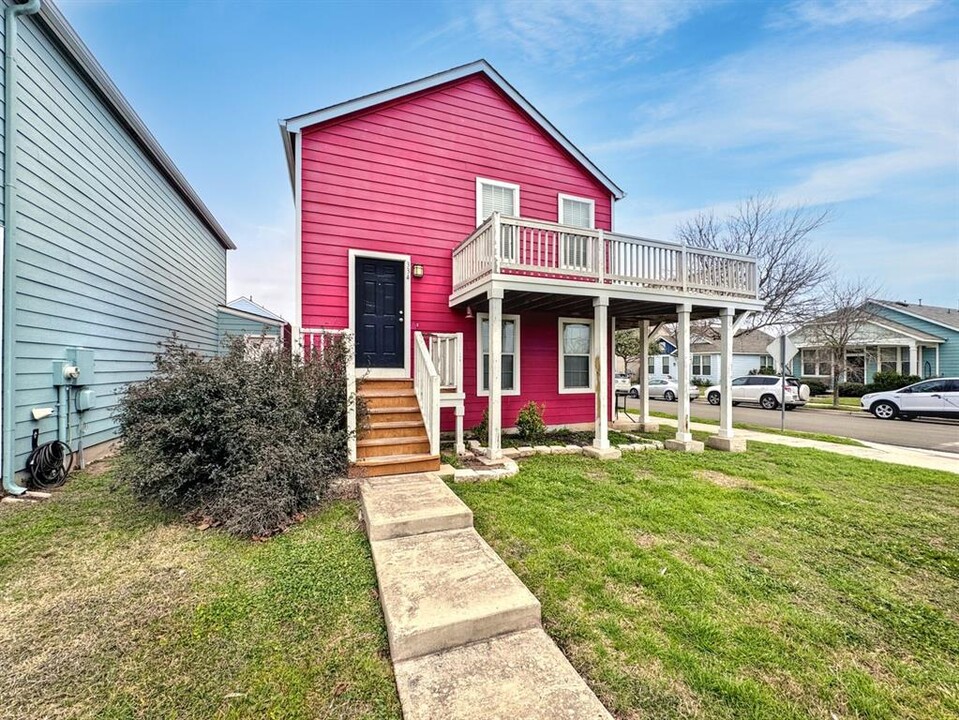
column 11, row 12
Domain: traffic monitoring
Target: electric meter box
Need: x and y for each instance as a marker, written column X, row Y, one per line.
column 76, row 369
column 86, row 400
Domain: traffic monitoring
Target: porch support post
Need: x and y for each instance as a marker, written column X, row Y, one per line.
column 724, row 439
column 601, row 355
column 459, row 410
column 644, row 376
column 914, row 359
column 684, row 439
column 495, row 373
column 937, row 359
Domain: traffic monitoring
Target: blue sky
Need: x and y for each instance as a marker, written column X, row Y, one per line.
column 687, row 105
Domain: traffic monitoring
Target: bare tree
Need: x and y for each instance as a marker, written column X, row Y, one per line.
column 790, row 265
column 843, row 311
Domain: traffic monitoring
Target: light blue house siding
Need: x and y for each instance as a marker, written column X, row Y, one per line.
column 232, row 325
column 948, row 350
column 114, row 257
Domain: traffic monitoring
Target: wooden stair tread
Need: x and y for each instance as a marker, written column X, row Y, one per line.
column 395, row 392
column 392, row 441
column 396, row 424
column 396, row 409
column 396, row 459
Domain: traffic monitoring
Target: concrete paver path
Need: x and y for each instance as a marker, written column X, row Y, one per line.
column 465, row 634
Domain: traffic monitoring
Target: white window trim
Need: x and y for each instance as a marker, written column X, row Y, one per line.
column 592, row 369
column 588, row 201
column 353, row 254
column 480, row 181
column 479, row 355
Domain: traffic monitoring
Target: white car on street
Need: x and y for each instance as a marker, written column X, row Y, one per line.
column 931, row 398
column 663, row 389
column 621, row 383
column 766, row 390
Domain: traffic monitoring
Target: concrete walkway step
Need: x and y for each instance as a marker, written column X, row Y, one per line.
column 443, row 589
column 520, row 676
column 403, row 505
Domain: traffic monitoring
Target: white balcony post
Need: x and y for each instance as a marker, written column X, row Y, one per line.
column 725, row 373
column 495, row 373
column 601, row 360
column 460, row 445
column 684, row 439
column 644, row 377
column 497, row 243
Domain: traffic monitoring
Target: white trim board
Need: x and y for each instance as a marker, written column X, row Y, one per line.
column 480, row 392
column 355, row 253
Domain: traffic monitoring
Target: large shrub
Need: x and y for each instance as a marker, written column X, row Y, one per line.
column 851, row 389
column 816, row 386
column 882, row 381
column 245, row 441
column 529, row 423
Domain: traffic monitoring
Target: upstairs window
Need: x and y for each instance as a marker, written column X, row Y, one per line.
column 577, row 212
column 575, row 344
column 495, row 196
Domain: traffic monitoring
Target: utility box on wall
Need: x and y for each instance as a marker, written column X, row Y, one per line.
column 76, row 370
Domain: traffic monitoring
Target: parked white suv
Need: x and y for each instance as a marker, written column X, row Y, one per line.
column 932, row 398
column 766, row 390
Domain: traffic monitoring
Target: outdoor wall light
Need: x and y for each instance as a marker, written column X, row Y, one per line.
column 417, row 271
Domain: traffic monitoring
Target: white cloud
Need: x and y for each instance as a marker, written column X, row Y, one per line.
column 568, row 31
column 832, row 13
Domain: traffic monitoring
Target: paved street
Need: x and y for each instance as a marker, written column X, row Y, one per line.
column 929, row 434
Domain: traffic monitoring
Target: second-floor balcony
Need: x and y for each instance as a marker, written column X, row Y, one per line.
column 509, row 247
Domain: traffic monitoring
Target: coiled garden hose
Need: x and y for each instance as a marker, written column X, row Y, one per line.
column 49, row 464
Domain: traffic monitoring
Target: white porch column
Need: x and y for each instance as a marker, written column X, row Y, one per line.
column 601, row 360
column 724, row 439
column 937, row 360
column 460, row 445
column 644, row 376
column 495, row 373
column 914, row 360
column 684, row 438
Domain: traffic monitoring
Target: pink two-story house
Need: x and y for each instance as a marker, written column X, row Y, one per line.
column 467, row 248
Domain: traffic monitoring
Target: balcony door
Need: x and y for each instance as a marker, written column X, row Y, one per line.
column 379, row 306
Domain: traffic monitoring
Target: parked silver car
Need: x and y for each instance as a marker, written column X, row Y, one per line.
column 938, row 397
column 663, row 389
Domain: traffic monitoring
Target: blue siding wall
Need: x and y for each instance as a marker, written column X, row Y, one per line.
column 234, row 326
column 948, row 351
column 112, row 258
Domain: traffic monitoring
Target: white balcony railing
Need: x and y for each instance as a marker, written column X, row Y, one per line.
column 518, row 246
column 426, row 383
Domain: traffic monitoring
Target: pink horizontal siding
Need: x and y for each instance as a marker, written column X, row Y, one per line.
column 401, row 178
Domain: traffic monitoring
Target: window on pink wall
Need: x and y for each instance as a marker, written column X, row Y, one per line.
column 510, row 367
column 496, row 196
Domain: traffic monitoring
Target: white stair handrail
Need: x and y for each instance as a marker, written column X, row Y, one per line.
column 426, row 382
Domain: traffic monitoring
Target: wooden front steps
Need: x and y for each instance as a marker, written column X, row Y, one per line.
column 394, row 441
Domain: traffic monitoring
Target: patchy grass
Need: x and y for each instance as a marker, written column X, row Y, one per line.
column 822, row 437
column 108, row 610
column 777, row 583
column 846, row 403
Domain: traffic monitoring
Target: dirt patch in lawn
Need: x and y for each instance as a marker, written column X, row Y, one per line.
column 63, row 624
column 723, row 480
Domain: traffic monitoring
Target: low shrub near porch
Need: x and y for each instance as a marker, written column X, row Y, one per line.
column 246, row 442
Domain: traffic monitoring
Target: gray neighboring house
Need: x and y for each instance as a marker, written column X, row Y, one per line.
column 108, row 250
column 246, row 319
column 749, row 355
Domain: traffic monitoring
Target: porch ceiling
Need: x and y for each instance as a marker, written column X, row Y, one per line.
column 628, row 313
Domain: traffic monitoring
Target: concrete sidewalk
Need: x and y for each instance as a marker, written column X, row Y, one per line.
column 926, row 459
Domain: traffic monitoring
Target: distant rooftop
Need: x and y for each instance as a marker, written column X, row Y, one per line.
column 245, row 304
column 942, row 315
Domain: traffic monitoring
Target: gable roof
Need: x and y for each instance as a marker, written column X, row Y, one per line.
column 879, row 321
column 90, row 69
column 947, row 317
column 751, row 342
column 246, row 306
column 293, row 125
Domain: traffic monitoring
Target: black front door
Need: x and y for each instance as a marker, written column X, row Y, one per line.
column 379, row 313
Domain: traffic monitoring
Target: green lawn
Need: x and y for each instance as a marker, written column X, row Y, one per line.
column 777, row 583
column 108, row 610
